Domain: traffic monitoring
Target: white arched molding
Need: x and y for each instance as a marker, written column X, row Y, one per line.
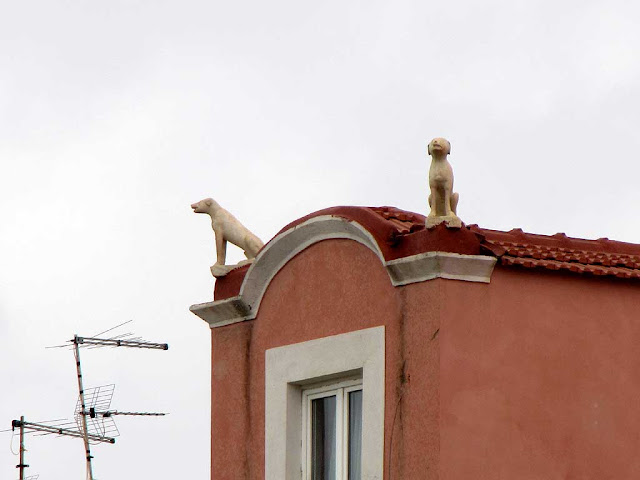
column 286, row 245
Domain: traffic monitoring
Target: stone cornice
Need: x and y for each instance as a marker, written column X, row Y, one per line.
column 430, row 265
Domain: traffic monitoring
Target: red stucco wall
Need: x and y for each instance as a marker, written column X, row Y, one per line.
column 332, row 287
column 540, row 378
column 534, row 376
column 230, row 387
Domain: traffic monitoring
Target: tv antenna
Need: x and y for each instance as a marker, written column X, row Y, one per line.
column 100, row 397
column 97, row 407
column 93, row 417
column 60, row 427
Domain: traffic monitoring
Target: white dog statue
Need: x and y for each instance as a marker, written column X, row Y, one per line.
column 442, row 200
column 227, row 228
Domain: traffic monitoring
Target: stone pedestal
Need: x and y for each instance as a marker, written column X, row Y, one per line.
column 452, row 221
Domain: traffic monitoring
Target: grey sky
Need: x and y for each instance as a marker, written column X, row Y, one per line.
column 115, row 116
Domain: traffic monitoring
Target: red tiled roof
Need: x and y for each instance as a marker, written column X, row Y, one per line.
column 400, row 234
column 559, row 252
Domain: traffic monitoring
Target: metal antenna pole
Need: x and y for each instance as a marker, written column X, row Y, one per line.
column 22, row 466
column 85, row 430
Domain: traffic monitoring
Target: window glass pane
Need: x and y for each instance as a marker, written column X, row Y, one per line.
column 323, row 438
column 355, row 435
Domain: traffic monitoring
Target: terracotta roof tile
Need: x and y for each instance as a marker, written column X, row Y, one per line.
column 405, row 222
column 598, row 270
column 559, row 252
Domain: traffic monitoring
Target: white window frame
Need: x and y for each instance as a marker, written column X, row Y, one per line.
column 291, row 368
column 341, row 391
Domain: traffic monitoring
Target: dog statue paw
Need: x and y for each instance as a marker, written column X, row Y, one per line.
column 218, row 270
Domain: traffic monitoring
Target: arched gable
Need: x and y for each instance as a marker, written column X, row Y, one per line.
column 293, row 240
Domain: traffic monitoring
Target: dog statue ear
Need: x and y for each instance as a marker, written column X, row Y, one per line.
column 429, row 148
column 208, row 202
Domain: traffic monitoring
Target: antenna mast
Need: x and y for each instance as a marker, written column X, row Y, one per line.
column 85, row 431
column 21, row 465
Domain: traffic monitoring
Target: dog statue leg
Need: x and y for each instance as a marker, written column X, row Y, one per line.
column 221, row 248
column 447, row 203
column 454, row 203
column 219, row 269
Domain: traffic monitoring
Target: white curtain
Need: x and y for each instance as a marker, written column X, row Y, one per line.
column 323, row 433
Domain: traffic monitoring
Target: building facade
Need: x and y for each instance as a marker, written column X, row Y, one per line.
column 361, row 344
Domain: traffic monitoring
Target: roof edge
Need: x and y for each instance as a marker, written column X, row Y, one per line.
column 287, row 244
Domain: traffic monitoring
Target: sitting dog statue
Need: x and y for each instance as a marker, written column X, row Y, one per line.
column 442, row 200
column 227, row 228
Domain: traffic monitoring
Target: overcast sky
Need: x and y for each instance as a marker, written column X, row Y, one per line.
column 115, row 116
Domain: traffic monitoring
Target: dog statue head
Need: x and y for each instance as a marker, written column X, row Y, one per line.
column 439, row 145
column 202, row 206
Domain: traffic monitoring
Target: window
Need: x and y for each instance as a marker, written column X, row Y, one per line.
column 332, row 432
column 293, row 372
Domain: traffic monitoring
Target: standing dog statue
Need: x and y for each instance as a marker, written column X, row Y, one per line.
column 442, row 200
column 227, row 228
